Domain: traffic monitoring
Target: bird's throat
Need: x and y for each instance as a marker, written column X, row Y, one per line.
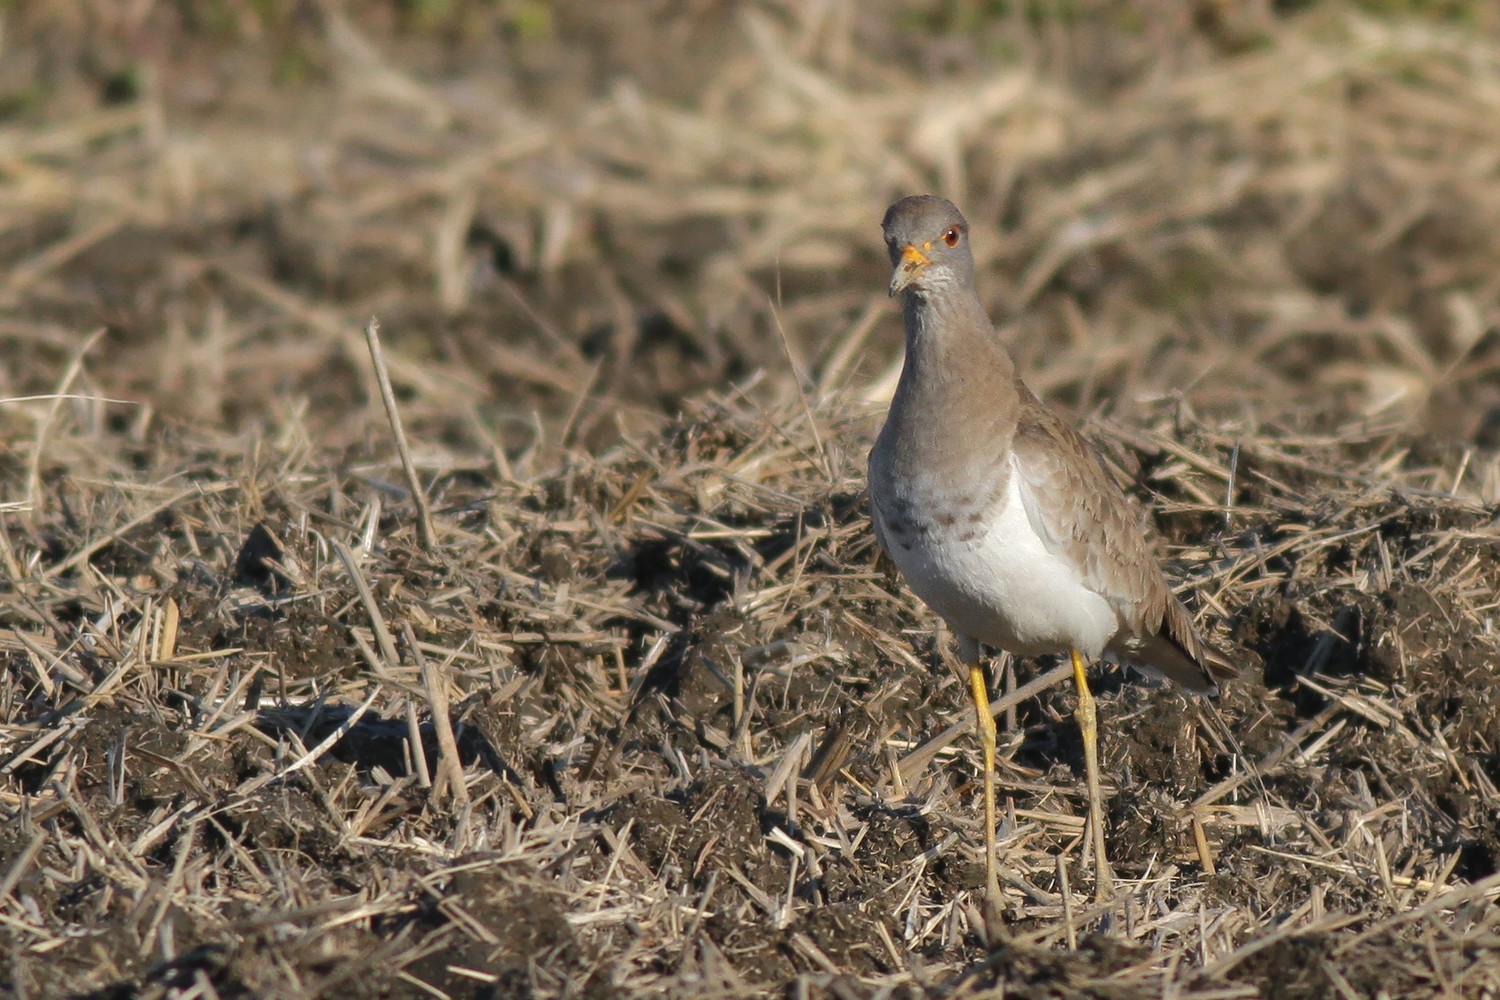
column 957, row 393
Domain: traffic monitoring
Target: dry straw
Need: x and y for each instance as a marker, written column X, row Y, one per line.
column 636, row 336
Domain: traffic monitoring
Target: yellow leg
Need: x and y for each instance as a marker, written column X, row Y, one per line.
column 986, row 725
column 1087, row 717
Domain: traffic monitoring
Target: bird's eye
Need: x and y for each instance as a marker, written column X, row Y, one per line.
column 951, row 237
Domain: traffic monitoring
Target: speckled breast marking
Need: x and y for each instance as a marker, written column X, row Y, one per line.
column 923, row 516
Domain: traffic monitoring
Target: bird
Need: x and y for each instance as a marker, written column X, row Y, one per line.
column 1003, row 519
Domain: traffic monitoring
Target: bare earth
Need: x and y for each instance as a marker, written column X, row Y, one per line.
column 627, row 269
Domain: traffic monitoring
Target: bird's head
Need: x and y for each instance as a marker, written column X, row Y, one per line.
column 928, row 240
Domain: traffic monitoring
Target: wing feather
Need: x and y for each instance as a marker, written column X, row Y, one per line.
column 1083, row 516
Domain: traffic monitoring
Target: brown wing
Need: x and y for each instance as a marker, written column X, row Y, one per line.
column 1081, row 513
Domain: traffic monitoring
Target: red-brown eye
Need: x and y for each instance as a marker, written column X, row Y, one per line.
column 951, row 237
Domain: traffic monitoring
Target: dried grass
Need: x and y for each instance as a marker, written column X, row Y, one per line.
column 628, row 328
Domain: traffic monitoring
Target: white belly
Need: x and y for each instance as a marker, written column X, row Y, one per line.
column 1004, row 587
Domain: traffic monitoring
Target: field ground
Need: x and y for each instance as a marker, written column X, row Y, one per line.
column 626, row 265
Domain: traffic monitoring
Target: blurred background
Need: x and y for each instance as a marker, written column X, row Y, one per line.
column 571, row 216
